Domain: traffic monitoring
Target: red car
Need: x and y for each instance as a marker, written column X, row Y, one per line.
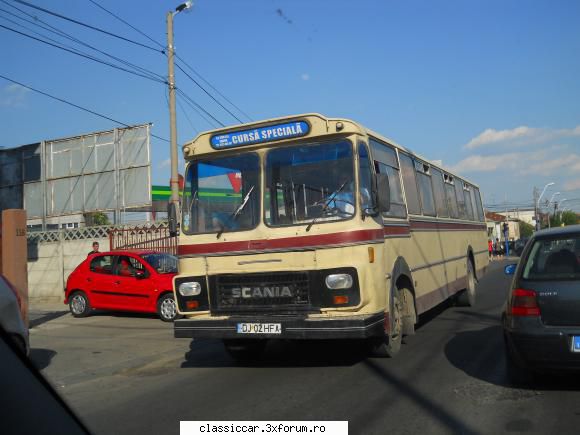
column 135, row 280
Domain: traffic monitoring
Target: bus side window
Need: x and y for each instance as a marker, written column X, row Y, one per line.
column 478, row 205
column 365, row 178
column 439, row 190
column 386, row 163
column 450, row 196
column 425, row 188
column 468, row 203
column 410, row 184
column 460, row 199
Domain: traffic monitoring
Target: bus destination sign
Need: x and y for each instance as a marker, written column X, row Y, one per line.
column 260, row 135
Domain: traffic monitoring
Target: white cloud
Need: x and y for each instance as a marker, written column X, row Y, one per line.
column 539, row 162
column 305, row 77
column 520, row 136
column 572, row 185
column 164, row 164
column 13, row 96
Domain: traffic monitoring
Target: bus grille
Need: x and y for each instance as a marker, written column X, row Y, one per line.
column 261, row 291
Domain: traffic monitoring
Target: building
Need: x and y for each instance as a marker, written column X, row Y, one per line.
column 495, row 222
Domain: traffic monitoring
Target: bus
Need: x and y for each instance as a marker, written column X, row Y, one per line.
column 308, row 227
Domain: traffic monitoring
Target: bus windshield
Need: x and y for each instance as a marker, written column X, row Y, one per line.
column 309, row 182
column 222, row 195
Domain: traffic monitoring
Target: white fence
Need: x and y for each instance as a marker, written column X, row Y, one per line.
column 53, row 255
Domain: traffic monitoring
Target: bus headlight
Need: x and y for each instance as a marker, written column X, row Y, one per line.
column 189, row 288
column 338, row 281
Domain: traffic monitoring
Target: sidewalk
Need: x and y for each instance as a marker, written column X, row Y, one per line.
column 39, row 313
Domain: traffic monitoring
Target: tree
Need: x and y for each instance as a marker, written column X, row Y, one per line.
column 96, row 218
column 566, row 218
column 569, row 218
column 526, row 230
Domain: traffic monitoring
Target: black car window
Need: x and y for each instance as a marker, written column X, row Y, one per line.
column 102, row 264
column 128, row 266
column 554, row 259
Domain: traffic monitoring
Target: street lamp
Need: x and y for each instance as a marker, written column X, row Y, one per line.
column 551, row 201
column 538, row 204
column 173, row 206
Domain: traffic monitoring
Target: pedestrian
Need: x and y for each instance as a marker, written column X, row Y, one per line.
column 490, row 248
column 498, row 251
column 95, row 249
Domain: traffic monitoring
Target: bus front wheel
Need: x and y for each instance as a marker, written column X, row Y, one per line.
column 390, row 345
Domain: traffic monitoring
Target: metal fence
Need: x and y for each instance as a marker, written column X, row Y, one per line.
column 155, row 237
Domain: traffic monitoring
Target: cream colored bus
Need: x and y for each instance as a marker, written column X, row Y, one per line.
column 309, row 227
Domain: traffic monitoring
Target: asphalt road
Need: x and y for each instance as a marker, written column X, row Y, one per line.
column 125, row 374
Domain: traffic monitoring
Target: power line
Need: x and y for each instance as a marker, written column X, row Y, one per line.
column 78, row 53
column 210, row 95
column 197, row 107
column 47, row 27
column 80, row 23
column 182, row 61
column 211, row 86
column 128, row 24
column 74, row 105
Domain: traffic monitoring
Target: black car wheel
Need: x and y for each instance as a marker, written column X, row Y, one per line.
column 517, row 372
column 79, row 304
column 166, row 308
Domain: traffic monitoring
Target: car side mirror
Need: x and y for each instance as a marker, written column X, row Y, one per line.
column 172, row 219
column 510, row 269
column 383, row 193
column 140, row 274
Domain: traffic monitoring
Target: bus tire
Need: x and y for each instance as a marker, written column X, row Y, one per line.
column 245, row 350
column 390, row 345
column 409, row 313
column 467, row 297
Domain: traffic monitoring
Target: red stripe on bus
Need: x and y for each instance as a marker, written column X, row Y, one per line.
column 435, row 225
column 396, row 230
column 285, row 243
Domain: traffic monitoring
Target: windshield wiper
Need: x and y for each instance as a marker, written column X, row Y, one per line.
column 236, row 213
column 325, row 207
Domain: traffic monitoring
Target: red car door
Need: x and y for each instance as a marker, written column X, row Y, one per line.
column 100, row 281
column 132, row 285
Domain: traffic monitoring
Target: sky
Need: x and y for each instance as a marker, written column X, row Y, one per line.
column 490, row 88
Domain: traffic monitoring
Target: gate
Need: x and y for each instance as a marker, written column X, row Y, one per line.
column 154, row 237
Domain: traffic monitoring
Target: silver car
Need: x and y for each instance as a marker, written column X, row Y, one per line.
column 10, row 316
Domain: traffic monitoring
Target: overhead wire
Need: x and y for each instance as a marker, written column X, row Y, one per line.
column 80, row 23
column 184, row 95
column 47, row 27
column 78, row 53
column 62, row 100
column 178, row 57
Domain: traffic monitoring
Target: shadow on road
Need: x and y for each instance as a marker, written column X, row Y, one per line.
column 211, row 353
column 41, row 358
column 127, row 314
column 481, row 355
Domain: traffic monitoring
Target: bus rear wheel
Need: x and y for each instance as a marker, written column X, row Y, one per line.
column 467, row 297
column 390, row 345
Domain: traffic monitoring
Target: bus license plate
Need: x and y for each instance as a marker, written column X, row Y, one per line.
column 576, row 344
column 259, row 328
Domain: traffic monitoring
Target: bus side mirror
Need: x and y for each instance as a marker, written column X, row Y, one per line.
column 172, row 218
column 383, row 193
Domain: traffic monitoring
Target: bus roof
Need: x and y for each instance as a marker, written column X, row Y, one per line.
column 208, row 142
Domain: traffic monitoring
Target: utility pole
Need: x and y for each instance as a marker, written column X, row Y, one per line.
column 536, row 217
column 174, row 181
column 173, row 206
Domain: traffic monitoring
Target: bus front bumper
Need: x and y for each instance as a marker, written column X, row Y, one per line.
column 351, row 327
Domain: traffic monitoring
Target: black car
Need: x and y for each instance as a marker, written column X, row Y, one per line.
column 519, row 246
column 541, row 319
